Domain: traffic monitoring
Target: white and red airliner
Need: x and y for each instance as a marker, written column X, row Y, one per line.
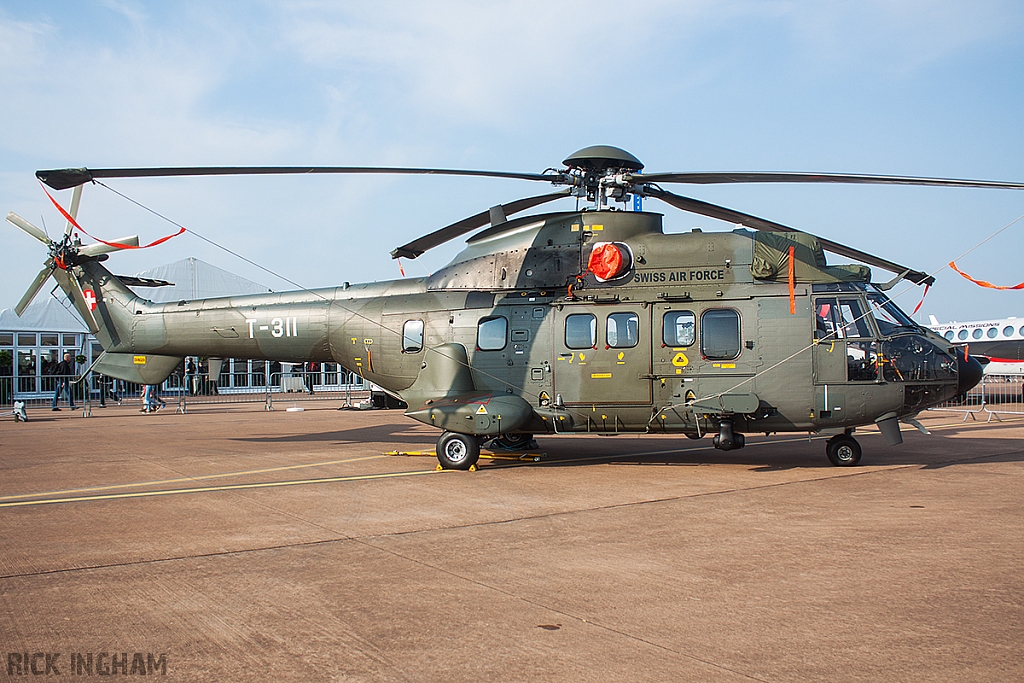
column 1000, row 341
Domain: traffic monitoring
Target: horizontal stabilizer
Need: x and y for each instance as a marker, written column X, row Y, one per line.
column 139, row 368
column 132, row 281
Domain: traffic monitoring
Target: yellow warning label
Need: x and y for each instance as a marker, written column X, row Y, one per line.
column 139, row 360
column 600, row 375
column 622, row 354
column 680, row 360
column 597, row 228
column 482, row 410
column 723, row 365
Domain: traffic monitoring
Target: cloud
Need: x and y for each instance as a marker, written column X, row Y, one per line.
column 901, row 37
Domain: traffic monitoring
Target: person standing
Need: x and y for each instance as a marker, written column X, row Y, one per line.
column 151, row 401
column 106, row 385
column 64, row 372
column 312, row 370
column 190, row 377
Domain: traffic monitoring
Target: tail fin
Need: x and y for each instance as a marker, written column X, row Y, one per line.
column 104, row 302
column 112, row 307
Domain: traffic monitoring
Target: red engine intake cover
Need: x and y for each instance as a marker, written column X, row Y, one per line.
column 609, row 260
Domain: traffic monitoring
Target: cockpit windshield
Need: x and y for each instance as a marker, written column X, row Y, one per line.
column 887, row 315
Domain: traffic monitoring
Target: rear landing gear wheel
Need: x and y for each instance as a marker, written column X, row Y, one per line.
column 843, row 450
column 458, row 451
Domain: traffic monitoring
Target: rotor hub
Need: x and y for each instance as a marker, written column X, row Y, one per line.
column 598, row 159
column 599, row 170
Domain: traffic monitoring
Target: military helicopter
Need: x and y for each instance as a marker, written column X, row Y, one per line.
column 592, row 320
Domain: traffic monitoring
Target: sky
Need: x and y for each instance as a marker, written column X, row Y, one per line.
column 916, row 87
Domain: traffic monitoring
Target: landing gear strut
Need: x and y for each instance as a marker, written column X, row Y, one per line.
column 458, row 451
column 843, row 450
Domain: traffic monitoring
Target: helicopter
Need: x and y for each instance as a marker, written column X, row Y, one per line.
column 586, row 321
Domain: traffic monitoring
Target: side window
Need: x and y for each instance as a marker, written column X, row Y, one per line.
column 622, row 330
column 826, row 322
column 491, row 333
column 720, row 334
column 580, row 331
column 679, row 328
column 412, row 336
column 852, row 319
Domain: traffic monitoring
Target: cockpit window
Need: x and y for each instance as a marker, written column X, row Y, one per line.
column 887, row 315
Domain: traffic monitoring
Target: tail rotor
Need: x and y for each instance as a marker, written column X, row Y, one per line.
column 63, row 256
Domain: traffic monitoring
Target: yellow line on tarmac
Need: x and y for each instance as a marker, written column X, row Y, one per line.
column 225, row 487
column 178, row 480
column 12, row 502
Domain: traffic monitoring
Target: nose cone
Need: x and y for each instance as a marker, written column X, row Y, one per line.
column 969, row 371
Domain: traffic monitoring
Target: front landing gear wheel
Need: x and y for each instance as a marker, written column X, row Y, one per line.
column 843, row 450
column 458, row 451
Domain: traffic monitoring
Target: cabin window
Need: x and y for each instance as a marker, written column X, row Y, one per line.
column 580, row 331
column 839, row 319
column 862, row 361
column 992, row 332
column 622, row 330
column 977, row 333
column 949, row 335
column 1008, row 331
column 491, row 333
column 720, row 334
column 961, row 335
column 826, row 324
column 412, row 336
column 679, row 328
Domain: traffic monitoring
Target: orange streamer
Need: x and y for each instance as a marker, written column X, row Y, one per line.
column 918, row 307
column 982, row 283
column 116, row 245
column 792, row 281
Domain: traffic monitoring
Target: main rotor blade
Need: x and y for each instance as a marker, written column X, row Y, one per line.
column 19, row 222
column 745, row 219
column 450, row 232
column 100, row 248
column 76, row 198
column 63, row 178
column 34, row 288
column 787, row 177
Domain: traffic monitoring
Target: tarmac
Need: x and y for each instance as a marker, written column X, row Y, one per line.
column 233, row 543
